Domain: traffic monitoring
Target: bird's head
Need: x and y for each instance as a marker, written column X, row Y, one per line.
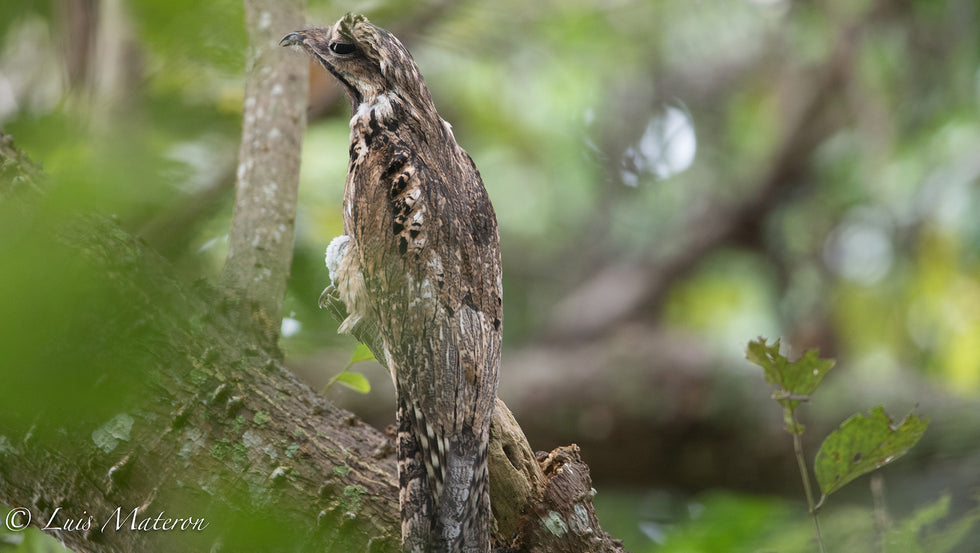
column 368, row 61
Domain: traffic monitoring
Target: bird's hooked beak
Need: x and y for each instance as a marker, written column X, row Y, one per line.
column 292, row 39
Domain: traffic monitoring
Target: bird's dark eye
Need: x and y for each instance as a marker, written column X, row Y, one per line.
column 341, row 48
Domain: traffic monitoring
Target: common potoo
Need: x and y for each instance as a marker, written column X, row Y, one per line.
column 420, row 262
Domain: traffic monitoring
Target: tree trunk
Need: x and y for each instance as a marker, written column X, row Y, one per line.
column 260, row 244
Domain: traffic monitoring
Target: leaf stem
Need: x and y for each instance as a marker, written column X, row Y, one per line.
column 797, row 433
column 333, row 380
column 880, row 510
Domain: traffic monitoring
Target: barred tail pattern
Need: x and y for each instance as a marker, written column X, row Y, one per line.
column 476, row 513
column 444, row 489
column 414, row 496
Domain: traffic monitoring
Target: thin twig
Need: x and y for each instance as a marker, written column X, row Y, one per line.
column 805, row 475
column 880, row 510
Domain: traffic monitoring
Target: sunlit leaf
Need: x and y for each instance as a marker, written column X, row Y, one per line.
column 361, row 353
column 355, row 381
column 792, row 379
column 862, row 444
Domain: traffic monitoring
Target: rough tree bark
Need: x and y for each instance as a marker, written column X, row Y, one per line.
column 210, row 428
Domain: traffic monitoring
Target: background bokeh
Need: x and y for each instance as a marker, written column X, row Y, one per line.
column 672, row 178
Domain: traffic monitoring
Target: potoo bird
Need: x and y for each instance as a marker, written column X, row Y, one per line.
column 419, row 262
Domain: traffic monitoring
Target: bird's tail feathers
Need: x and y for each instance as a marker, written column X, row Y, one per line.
column 452, row 471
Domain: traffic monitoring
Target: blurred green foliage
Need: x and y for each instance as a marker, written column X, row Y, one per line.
column 868, row 248
column 558, row 104
column 30, row 540
column 723, row 522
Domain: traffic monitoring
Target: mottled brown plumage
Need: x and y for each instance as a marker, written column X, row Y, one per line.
column 419, row 263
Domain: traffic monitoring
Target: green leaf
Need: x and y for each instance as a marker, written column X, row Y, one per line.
column 361, row 353
column 863, row 444
column 794, row 380
column 355, row 381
